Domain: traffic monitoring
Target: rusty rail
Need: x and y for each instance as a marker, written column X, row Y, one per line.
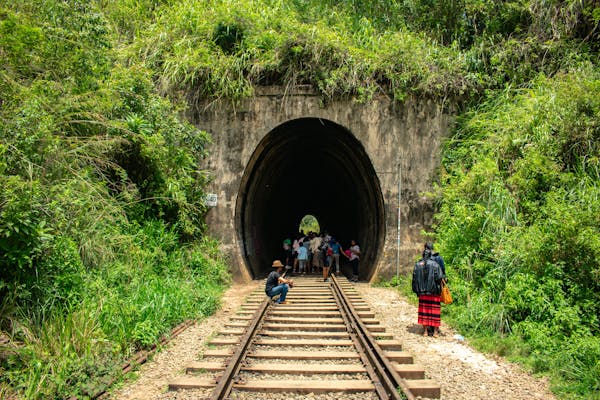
column 141, row 357
column 380, row 369
column 226, row 380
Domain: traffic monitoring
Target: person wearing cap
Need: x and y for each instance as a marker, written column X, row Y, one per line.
column 276, row 284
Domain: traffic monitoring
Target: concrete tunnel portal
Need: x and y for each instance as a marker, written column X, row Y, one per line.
column 309, row 166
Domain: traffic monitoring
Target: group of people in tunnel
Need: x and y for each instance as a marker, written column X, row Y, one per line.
column 319, row 252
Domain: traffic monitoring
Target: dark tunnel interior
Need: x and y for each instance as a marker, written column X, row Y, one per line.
column 309, row 166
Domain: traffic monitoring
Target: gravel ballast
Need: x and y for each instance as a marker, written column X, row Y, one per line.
column 462, row 372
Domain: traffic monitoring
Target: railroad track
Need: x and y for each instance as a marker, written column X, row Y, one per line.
column 325, row 342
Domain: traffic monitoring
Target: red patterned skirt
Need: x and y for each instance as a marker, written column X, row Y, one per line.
column 429, row 310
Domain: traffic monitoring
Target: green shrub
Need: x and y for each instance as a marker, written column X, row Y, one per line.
column 518, row 225
column 101, row 214
column 222, row 51
column 22, row 226
column 75, row 349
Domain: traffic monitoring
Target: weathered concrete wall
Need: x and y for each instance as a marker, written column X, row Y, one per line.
column 408, row 135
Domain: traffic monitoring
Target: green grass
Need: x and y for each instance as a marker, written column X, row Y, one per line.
column 571, row 362
column 77, row 350
column 224, row 51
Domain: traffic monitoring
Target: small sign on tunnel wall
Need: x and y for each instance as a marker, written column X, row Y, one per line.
column 210, row 200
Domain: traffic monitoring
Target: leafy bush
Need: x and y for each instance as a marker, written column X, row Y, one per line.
column 76, row 348
column 519, row 225
column 101, row 216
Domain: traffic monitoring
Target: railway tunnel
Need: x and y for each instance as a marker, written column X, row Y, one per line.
column 309, row 166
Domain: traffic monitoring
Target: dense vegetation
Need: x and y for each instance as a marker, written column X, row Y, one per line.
column 101, row 249
column 519, row 225
column 101, row 216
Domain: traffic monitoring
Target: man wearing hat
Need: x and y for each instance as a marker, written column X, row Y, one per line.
column 276, row 284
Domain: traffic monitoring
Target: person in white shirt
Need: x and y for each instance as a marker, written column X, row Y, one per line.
column 315, row 249
column 354, row 258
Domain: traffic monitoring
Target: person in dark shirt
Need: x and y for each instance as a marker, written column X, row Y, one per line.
column 287, row 253
column 440, row 261
column 276, row 284
column 426, row 283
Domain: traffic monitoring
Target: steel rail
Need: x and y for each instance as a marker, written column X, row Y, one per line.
column 385, row 378
column 140, row 358
column 226, row 380
column 352, row 331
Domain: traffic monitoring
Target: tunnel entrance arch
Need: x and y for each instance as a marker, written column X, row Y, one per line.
column 309, row 166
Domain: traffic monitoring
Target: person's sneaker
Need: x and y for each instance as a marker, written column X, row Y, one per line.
column 283, row 302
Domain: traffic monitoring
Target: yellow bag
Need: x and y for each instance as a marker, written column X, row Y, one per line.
column 446, row 296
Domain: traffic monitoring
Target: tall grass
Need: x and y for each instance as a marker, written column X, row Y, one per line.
column 101, row 219
column 192, row 45
column 101, row 216
column 76, row 349
column 518, row 225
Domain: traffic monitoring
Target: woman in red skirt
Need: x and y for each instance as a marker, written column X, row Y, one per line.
column 426, row 283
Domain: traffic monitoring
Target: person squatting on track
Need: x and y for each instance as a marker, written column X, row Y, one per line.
column 426, row 283
column 277, row 285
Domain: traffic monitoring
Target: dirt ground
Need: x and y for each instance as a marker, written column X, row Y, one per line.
column 462, row 372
